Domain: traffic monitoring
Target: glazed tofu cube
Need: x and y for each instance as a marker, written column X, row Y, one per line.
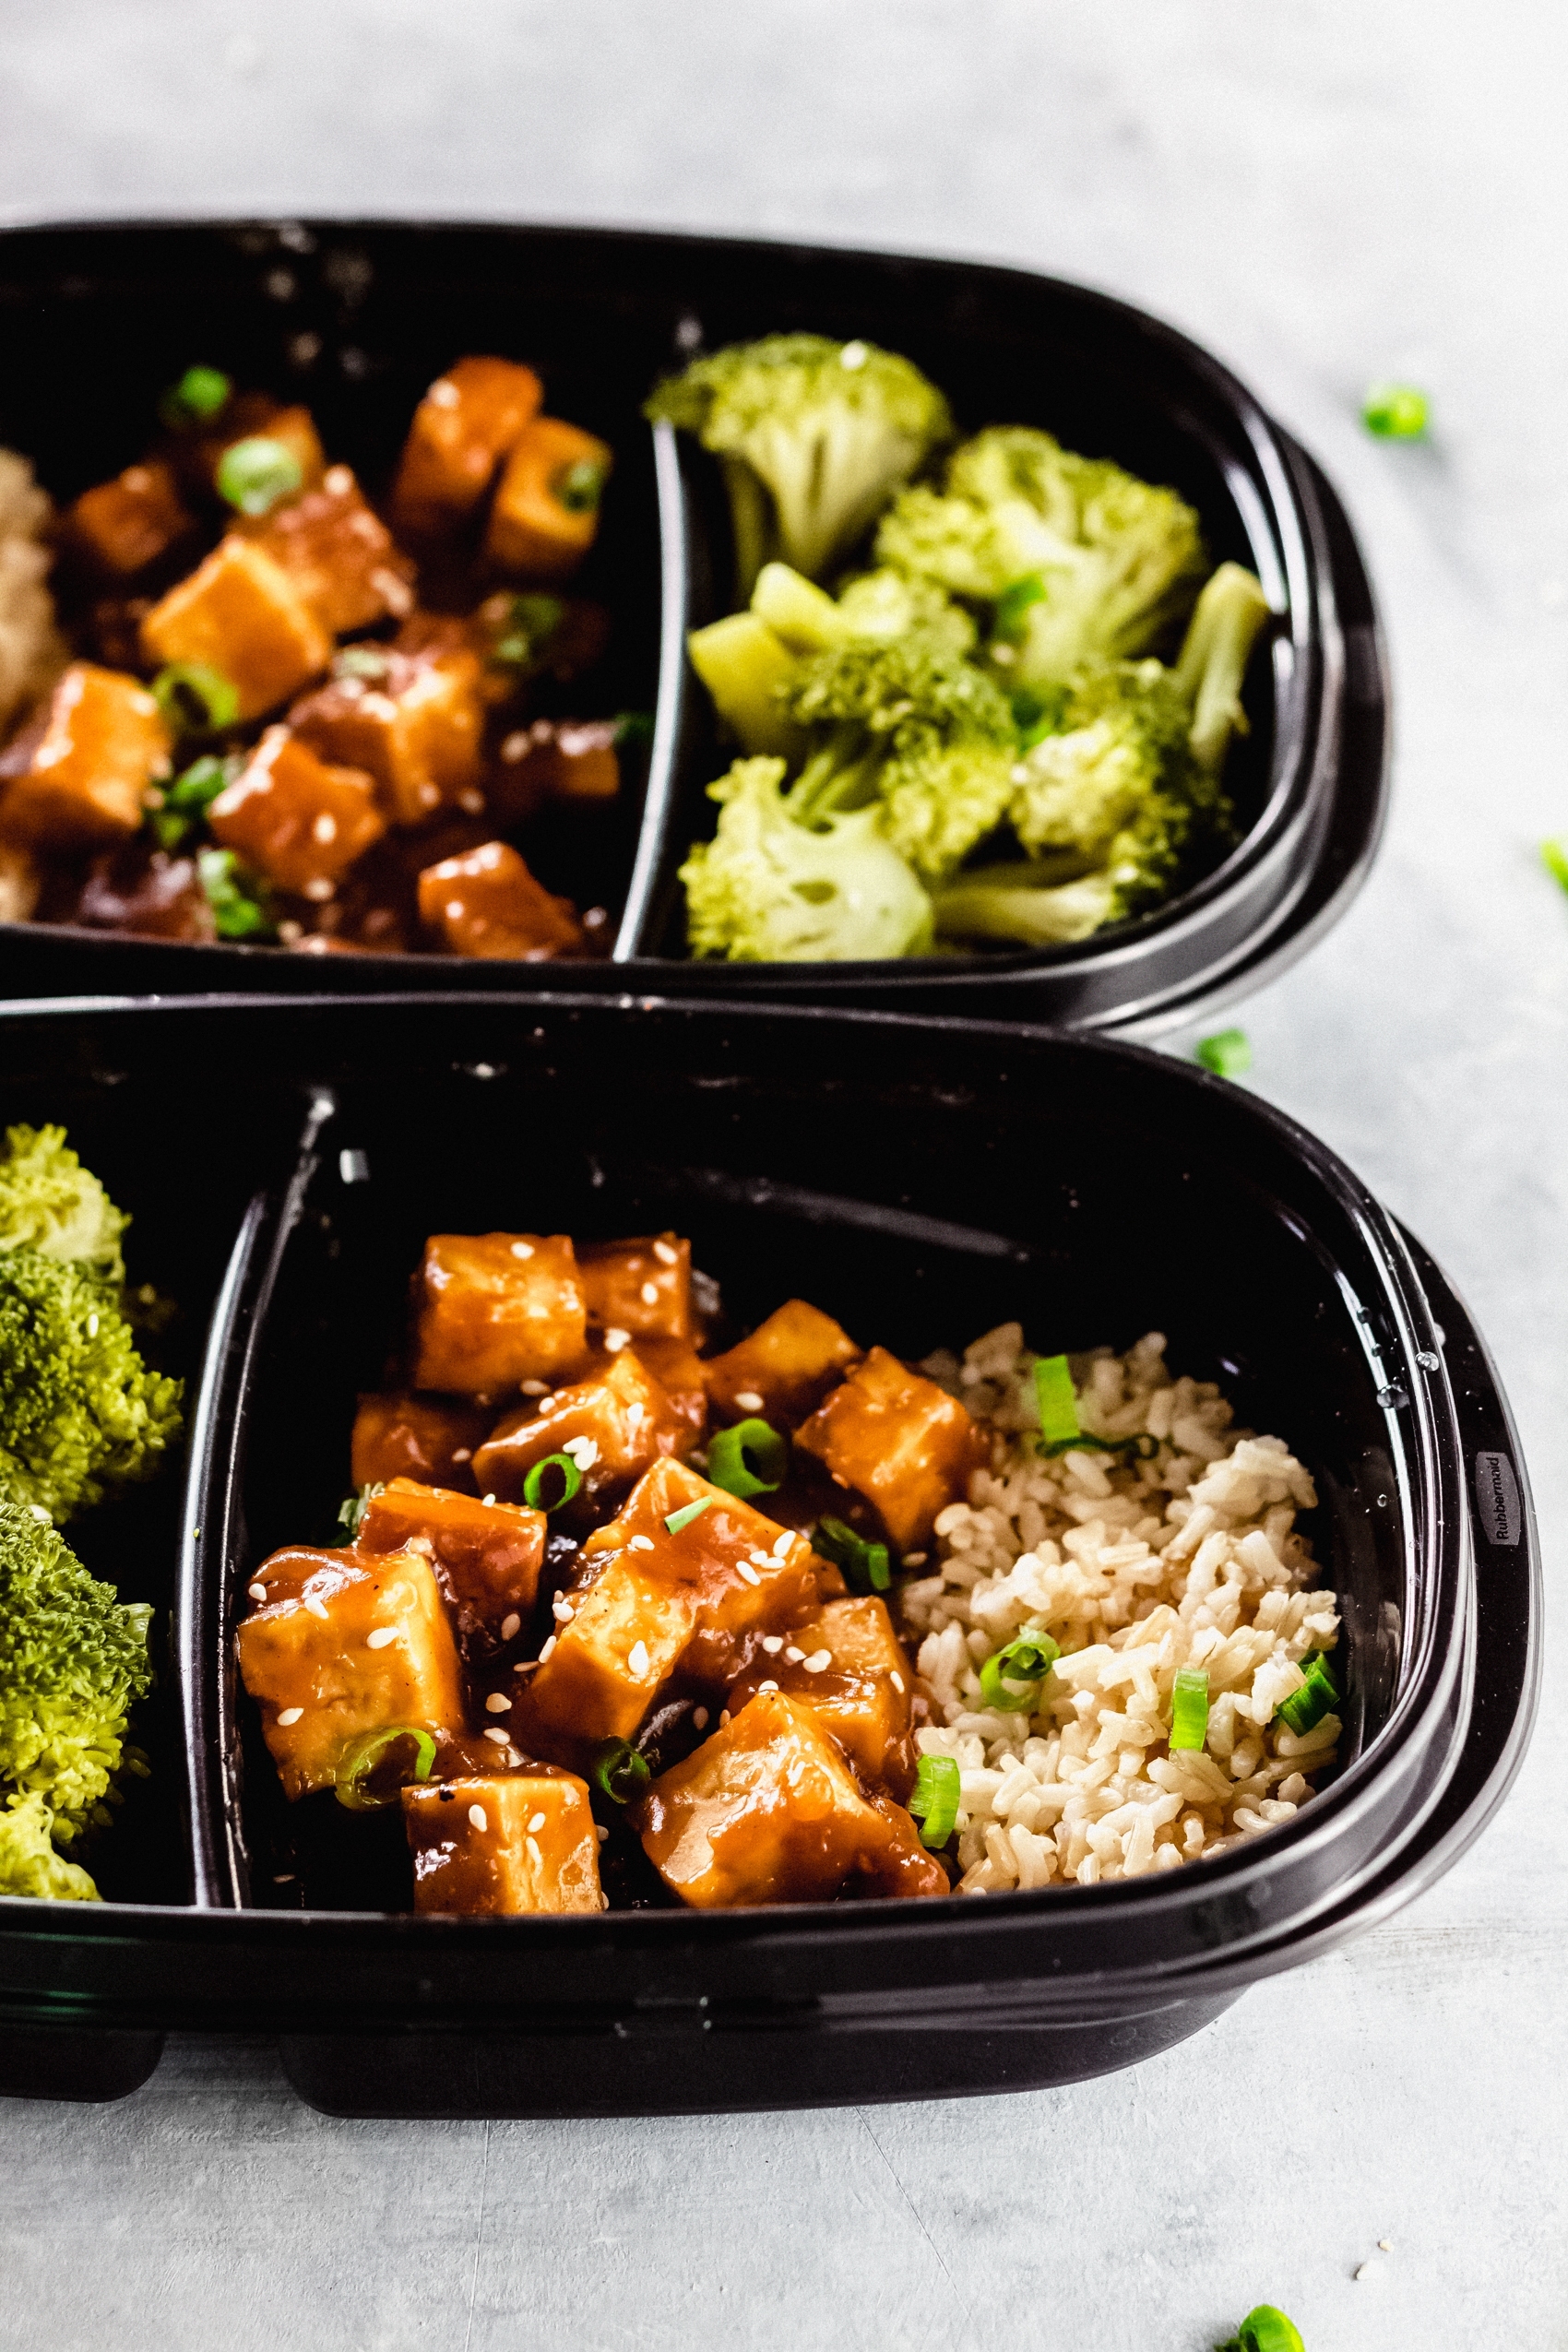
column 241, row 615
column 412, row 720
column 676, row 1366
column 463, row 426
column 608, row 1662
column 487, row 903
column 487, row 1555
column 570, row 760
column 848, row 1665
column 256, row 417
column 546, row 509
column 492, row 1309
column 785, row 1369
column 430, row 1439
column 301, row 821
column 769, row 1812
column 100, row 745
column 898, row 1440
column 345, row 1644
column 641, row 1286
column 515, row 1841
column 121, row 527
column 614, row 1427
column 339, row 555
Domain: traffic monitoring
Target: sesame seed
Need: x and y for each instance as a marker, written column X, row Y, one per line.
column 493, row 1731
column 773, row 1643
column 666, row 1253
column 794, row 1654
column 471, row 801
column 634, row 1418
column 615, row 1339
column 316, row 1605
column 914, row 1560
column 535, row 1387
column 562, row 1612
column 648, row 1294
column 478, row 1817
column 699, row 1716
column 749, row 1399
column 498, row 1704
column 1386, row 2245
column 765, row 1686
column 640, row 1543
column 636, row 1658
column 289, row 1715
column 784, row 1545
column 325, row 828
column 761, row 1558
column 818, row 1660
column 462, row 1454
column 744, row 1568
column 522, row 1249
column 257, row 1591
column 535, row 1857
column 897, row 1682
column 545, row 1648
column 584, row 1451
column 487, row 1500
column 443, row 393
column 380, row 1638
column 723, row 1718
column 318, row 889
column 282, row 1878
column 511, row 1626
column 604, row 1902
column 536, row 1824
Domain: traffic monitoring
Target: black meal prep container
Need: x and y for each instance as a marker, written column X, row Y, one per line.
column 923, row 1179
column 356, row 317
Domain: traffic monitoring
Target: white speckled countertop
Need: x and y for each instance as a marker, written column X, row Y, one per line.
column 1323, row 193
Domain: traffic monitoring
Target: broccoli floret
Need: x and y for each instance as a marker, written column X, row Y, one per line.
column 1079, row 560
column 73, row 1662
column 874, row 609
column 915, row 726
column 1024, row 903
column 49, row 1202
column 769, row 889
column 80, row 1414
column 29, row 1864
column 813, row 436
column 1213, row 662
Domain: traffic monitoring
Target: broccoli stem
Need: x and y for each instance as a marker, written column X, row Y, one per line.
column 752, row 522
column 1011, row 903
column 1213, row 663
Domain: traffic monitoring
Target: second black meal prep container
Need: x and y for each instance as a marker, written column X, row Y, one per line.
column 923, row 1179
column 357, row 318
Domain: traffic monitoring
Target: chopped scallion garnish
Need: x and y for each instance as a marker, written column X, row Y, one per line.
column 1189, row 1708
column 1228, row 1053
column 1058, row 1401
column 351, row 1515
column 1009, row 621
column 727, row 1458
column 1305, row 1708
column 197, row 397
column 1554, row 858
column 1265, row 2330
column 374, row 1769
column 687, row 1512
column 618, row 1771
column 1011, row 1677
column 194, row 699
column 581, row 486
column 1395, row 411
column 255, row 474
column 533, row 1485
column 864, row 1565
column 933, row 1801
column 236, row 913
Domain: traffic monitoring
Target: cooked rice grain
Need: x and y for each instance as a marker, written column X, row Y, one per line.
column 31, row 653
column 1137, row 1567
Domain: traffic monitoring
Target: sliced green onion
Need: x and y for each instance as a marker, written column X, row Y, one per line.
column 688, row 1512
column 728, row 1466
column 580, row 488
column 196, row 787
column 368, row 662
column 1265, row 2330
column 933, row 1801
column 1189, row 1708
column 1305, row 1708
column 864, row 1565
column 634, row 729
column 236, row 913
column 1228, row 1053
column 534, row 621
column 1026, row 1660
column 533, row 1485
column 1013, row 604
column 351, row 1515
column 254, row 474
column 372, row 1772
column 1058, row 1401
column 1395, row 411
column 197, row 397
column 194, row 699
column 1554, row 858
column 618, row 1772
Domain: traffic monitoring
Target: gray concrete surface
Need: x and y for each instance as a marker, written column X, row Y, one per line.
column 1325, row 192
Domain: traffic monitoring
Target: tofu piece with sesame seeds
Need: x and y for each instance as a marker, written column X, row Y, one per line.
column 767, row 1810
column 614, row 1427
column 487, row 902
column 487, row 1556
column 100, row 743
column 785, row 1369
column 896, row 1439
column 848, row 1665
column 641, row 1286
column 504, row 1844
column 467, row 421
column 492, row 1310
column 608, row 1662
column 240, row 613
column 430, row 1439
column 120, row 527
column 343, row 1644
column 302, row 823
column 415, row 722
column 341, row 555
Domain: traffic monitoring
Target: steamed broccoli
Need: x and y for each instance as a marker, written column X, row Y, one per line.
column 770, row 889
column 918, row 729
column 1078, row 560
column 73, row 1662
column 813, row 436
column 49, row 1202
column 80, row 1414
column 1213, row 660
column 1023, row 903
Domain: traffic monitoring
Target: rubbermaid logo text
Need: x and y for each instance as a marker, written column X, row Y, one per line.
column 1497, row 1498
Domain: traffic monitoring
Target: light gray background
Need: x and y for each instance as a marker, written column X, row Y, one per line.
column 1325, row 192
